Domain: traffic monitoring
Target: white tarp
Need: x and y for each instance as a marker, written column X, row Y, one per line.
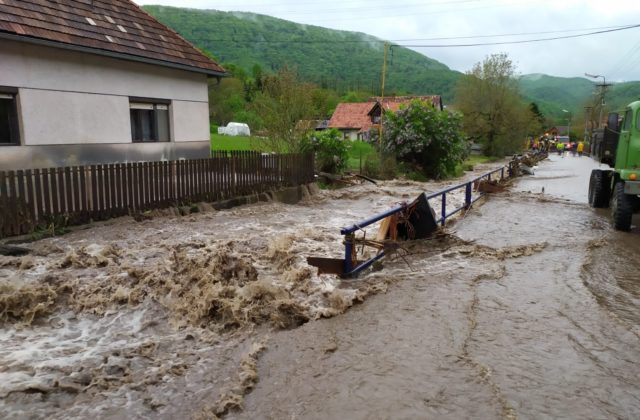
column 235, row 129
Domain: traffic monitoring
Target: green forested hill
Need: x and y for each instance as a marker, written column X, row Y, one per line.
column 553, row 94
column 338, row 60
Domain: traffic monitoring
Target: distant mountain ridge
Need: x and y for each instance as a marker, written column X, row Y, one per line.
column 344, row 61
column 340, row 60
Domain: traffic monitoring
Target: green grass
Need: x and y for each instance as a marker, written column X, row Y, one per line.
column 358, row 150
column 477, row 159
column 471, row 162
column 222, row 142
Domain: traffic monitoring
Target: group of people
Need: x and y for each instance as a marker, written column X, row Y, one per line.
column 571, row 147
column 546, row 144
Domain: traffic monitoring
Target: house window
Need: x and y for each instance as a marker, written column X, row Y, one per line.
column 149, row 121
column 9, row 131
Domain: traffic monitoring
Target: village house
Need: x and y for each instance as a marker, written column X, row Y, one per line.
column 98, row 81
column 356, row 120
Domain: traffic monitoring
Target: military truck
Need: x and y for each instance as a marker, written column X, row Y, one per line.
column 617, row 145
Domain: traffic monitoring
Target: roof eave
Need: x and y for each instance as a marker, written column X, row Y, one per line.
column 111, row 54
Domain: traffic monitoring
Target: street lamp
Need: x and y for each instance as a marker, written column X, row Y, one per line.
column 604, row 85
column 569, row 124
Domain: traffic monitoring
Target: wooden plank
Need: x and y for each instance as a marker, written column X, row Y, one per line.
column 195, row 177
column 14, row 204
column 4, row 198
column 95, row 202
column 178, row 181
column 162, row 175
column 129, row 184
column 189, row 163
column 192, row 179
column 203, row 183
column 155, row 176
column 214, row 179
column 25, row 214
column 102, row 190
column 173, row 181
column 68, row 190
column 132, row 181
column 75, row 187
column 243, row 172
column 161, row 182
column 140, row 186
column 84, row 192
column 146, row 184
column 46, row 191
column 112, row 202
column 31, row 197
column 211, row 181
column 55, row 208
column 39, row 200
column 119, row 187
column 151, row 182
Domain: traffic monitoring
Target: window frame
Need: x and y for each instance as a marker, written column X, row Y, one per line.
column 628, row 120
column 14, row 128
column 155, row 128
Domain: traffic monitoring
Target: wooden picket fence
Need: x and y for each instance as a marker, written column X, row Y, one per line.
column 77, row 194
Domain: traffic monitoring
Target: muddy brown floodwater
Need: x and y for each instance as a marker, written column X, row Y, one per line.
column 527, row 308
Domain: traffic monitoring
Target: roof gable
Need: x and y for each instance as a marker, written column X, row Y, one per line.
column 394, row 103
column 352, row 115
column 111, row 27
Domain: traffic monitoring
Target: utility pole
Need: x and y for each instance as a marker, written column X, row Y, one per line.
column 384, row 75
column 588, row 123
column 568, row 124
column 603, row 88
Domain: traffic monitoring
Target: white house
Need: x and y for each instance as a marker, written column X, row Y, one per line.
column 97, row 81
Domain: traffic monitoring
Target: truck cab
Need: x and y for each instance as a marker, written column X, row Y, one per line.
column 618, row 145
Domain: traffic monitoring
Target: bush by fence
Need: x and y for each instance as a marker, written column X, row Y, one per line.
column 77, row 194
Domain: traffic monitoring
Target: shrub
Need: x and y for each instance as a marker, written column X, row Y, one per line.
column 426, row 138
column 375, row 167
column 331, row 151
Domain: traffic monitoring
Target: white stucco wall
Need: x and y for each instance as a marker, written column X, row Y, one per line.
column 68, row 97
column 52, row 117
column 191, row 121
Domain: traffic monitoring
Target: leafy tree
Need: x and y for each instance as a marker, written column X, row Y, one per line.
column 493, row 110
column 226, row 98
column 426, row 138
column 330, row 149
column 283, row 102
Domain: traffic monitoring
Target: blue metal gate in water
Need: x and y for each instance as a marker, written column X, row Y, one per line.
column 352, row 267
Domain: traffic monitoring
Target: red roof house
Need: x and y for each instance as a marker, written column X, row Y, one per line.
column 356, row 120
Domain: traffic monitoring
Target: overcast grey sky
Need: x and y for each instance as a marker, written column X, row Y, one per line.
column 615, row 55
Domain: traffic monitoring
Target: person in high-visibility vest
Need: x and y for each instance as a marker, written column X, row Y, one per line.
column 580, row 148
column 560, row 147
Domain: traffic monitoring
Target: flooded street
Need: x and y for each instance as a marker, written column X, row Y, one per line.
column 538, row 318
column 527, row 308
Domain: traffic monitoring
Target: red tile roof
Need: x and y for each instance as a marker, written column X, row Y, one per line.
column 112, row 27
column 359, row 115
column 352, row 116
column 393, row 103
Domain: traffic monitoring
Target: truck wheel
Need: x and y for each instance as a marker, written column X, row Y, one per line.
column 621, row 208
column 599, row 190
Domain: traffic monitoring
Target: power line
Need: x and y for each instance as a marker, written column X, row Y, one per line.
column 626, row 61
column 525, row 41
column 341, row 2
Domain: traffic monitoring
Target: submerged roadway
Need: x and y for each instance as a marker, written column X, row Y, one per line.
column 533, row 311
